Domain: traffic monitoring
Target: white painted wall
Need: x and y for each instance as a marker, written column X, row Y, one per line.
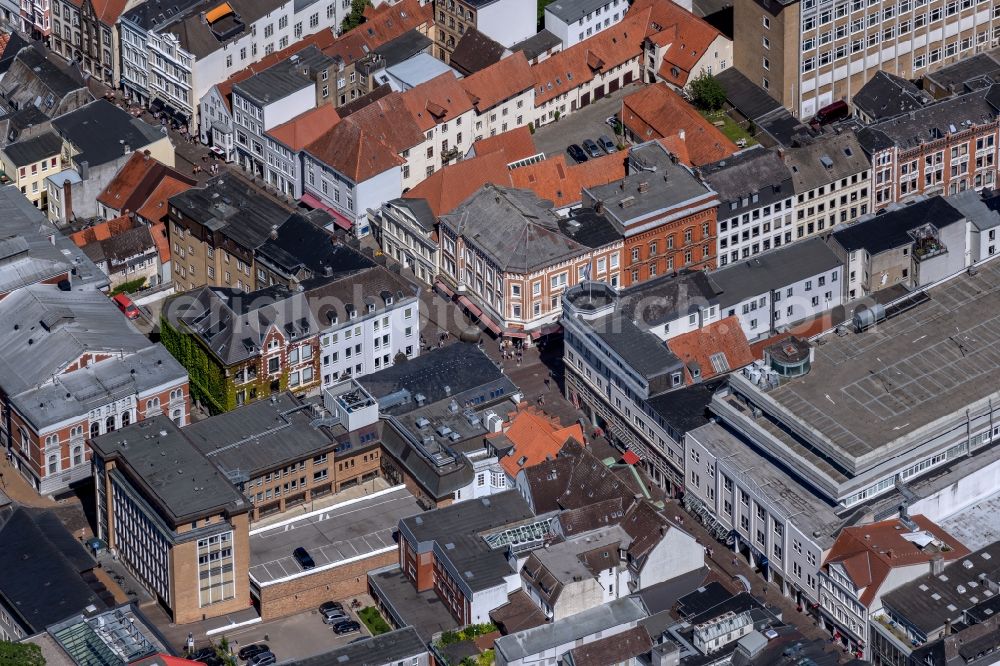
column 508, row 21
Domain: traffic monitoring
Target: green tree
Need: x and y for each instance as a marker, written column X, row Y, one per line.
column 707, row 93
column 357, row 15
column 20, row 654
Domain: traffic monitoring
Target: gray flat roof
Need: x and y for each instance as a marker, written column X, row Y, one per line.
column 389, row 648
column 810, row 513
column 571, row 11
column 424, row 611
column 342, row 532
column 869, row 393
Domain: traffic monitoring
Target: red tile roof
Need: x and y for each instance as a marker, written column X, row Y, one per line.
column 446, row 188
column 499, row 82
column 536, row 437
column 154, row 209
column 517, row 144
column 439, row 100
column 138, row 167
column 687, row 37
column 369, row 141
column 306, row 127
column 106, row 11
column 695, row 349
column 655, row 111
column 102, row 231
column 561, row 183
column 870, row 552
column 390, row 20
column 158, row 231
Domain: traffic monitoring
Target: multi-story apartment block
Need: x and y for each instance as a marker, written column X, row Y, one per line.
column 135, row 27
column 407, row 232
column 756, row 203
column 831, row 178
column 444, row 112
column 506, row 256
column 283, row 146
column 668, row 217
column 273, row 97
column 36, row 18
column 810, row 53
column 573, row 21
column 86, row 34
column 29, row 161
column 942, row 148
column 173, row 520
column 503, row 96
column 506, row 21
column 76, row 369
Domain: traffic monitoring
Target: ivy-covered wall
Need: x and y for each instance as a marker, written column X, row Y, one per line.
column 208, row 381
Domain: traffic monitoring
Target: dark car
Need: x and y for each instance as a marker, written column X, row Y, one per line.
column 303, row 557
column 262, row 659
column 207, row 656
column 250, row 651
column 607, row 144
column 831, row 113
column 592, row 148
column 330, row 605
column 348, row 627
column 576, row 152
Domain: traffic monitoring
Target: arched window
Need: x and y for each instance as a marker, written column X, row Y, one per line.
column 152, row 404
column 77, row 455
column 95, row 429
column 76, row 432
column 109, row 424
column 25, row 442
column 51, row 441
column 126, row 418
column 53, row 463
column 176, row 394
column 177, row 416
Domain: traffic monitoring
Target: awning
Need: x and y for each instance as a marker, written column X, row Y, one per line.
column 338, row 218
column 470, row 306
column 214, row 15
column 548, row 329
column 156, row 105
column 510, row 333
column 489, row 323
column 444, row 289
column 630, row 458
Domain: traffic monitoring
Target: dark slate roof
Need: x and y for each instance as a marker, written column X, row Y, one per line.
column 33, row 150
column 537, row 44
column 475, row 51
column 571, row 11
column 284, row 78
column 390, row 648
column 886, row 95
column 419, row 209
column 644, row 352
column 438, row 482
column 891, row 229
column 14, row 44
column 101, row 132
column 774, row 269
column 825, row 159
column 41, row 568
column 518, row 231
column 405, row 46
column 963, row 75
column 303, row 245
column 356, row 105
column 746, row 96
column 177, row 478
column 685, row 409
column 154, row 13
column 666, row 298
column 663, row 596
column 590, row 228
column 748, row 172
column 133, row 242
column 54, row 77
column 197, row 37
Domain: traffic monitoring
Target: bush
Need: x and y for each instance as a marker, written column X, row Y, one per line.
column 374, row 621
column 20, row 654
column 707, row 93
column 357, row 15
column 466, row 633
column 129, row 287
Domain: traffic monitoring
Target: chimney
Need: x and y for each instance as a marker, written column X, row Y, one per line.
column 68, row 196
column 274, row 232
column 681, row 134
column 937, row 564
column 644, row 186
column 203, row 18
column 599, row 207
column 84, row 169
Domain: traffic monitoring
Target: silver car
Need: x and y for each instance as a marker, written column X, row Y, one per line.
column 607, row 144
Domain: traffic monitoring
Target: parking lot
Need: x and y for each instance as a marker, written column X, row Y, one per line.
column 587, row 123
column 295, row 637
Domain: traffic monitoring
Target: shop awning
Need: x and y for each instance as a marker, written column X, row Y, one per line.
column 490, row 324
column 630, row 458
column 470, row 306
column 444, row 289
column 510, row 333
column 338, row 218
column 156, row 105
column 215, row 14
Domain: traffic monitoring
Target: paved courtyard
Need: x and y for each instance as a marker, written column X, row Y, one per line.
column 587, row 123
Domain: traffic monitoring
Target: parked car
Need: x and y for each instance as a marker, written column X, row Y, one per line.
column 250, row 651
column 607, row 144
column 348, row 627
column 576, row 152
column 592, row 148
column 612, row 121
column 330, row 605
column 334, row 616
column 303, row 557
column 207, row 656
column 831, row 113
column 126, row 305
column 262, row 659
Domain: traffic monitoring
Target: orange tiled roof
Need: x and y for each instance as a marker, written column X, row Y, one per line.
column 536, row 438
column 388, row 20
column 687, row 36
column 678, row 148
column 306, row 127
column 870, row 552
column 138, row 166
column 102, row 231
column 561, row 183
column 517, row 144
column 106, row 11
column 655, row 111
column 439, row 100
column 4, row 39
column 502, row 80
column 446, row 188
column 158, row 231
column 154, row 209
column 697, row 347
column 369, row 141
column 348, row 48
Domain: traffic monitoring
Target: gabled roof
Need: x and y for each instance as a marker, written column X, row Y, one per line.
column 35, row 149
column 102, row 231
column 655, row 111
column 886, row 95
column 499, row 82
column 712, row 350
column 154, row 208
column 446, row 188
column 535, row 437
column 89, row 127
column 685, row 37
column 517, row 144
column 869, row 553
column 390, row 20
column 369, row 141
column 133, row 182
column 475, row 51
column 440, row 100
column 106, row 11
column 562, row 183
column 306, row 127
column 892, row 228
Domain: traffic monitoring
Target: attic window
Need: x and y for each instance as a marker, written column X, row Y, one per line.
column 848, row 151
column 521, row 461
column 569, row 76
